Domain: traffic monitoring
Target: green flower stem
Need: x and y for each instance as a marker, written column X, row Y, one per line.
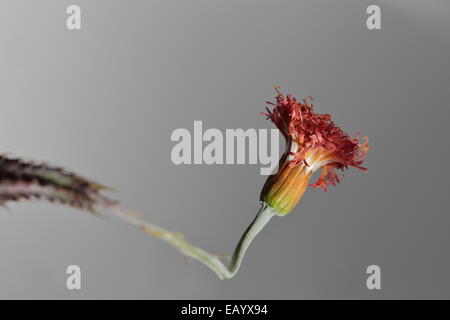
column 178, row 241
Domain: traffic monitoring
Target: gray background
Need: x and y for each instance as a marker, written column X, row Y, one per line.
column 103, row 101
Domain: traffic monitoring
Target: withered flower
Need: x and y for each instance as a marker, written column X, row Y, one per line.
column 313, row 142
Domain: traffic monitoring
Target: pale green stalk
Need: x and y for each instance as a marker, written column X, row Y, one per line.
column 186, row 248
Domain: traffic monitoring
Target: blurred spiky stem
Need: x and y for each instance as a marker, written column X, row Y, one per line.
column 24, row 180
column 178, row 241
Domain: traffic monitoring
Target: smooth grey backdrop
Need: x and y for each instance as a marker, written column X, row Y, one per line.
column 103, row 101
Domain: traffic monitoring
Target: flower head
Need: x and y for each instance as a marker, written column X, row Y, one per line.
column 313, row 142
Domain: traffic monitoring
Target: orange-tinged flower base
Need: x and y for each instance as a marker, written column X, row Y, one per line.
column 284, row 190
